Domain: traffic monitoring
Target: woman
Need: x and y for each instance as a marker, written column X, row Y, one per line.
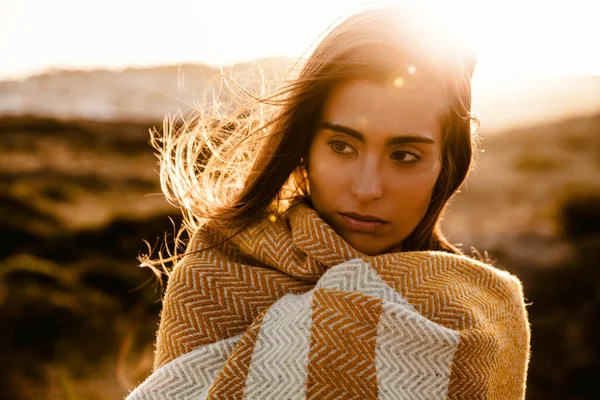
column 316, row 266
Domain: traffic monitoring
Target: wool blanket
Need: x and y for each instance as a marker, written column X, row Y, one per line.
column 287, row 309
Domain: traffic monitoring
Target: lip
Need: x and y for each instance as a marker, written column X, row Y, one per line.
column 361, row 225
column 362, row 217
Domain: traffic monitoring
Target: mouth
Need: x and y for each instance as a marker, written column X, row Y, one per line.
column 361, row 217
column 362, row 223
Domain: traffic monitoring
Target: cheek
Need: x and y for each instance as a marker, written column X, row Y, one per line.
column 324, row 174
column 414, row 190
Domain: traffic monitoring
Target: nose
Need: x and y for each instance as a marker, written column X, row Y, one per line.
column 367, row 182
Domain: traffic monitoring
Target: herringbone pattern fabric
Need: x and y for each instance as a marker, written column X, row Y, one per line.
column 316, row 319
column 343, row 339
column 189, row 376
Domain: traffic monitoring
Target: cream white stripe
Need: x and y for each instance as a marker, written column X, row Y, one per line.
column 188, row 376
column 358, row 276
column 280, row 357
column 279, row 365
column 413, row 355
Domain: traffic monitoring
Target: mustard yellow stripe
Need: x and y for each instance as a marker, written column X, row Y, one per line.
column 343, row 345
column 231, row 381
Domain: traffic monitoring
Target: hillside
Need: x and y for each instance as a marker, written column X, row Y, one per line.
column 520, row 179
column 131, row 94
column 146, row 94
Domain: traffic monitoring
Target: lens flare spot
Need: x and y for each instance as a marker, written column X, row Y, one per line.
column 412, row 69
column 399, row 82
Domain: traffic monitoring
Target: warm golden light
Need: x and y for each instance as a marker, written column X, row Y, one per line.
column 399, row 82
column 510, row 37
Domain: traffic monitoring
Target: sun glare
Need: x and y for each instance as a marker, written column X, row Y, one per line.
column 510, row 37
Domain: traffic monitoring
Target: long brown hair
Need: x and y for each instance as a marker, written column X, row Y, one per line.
column 235, row 170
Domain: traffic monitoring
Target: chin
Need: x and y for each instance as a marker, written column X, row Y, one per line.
column 367, row 244
column 360, row 246
column 372, row 249
column 370, row 253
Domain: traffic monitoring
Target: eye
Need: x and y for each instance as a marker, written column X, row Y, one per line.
column 340, row 147
column 406, row 157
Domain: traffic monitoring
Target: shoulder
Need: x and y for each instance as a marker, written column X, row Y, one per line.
column 482, row 272
column 502, row 287
column 456, row 278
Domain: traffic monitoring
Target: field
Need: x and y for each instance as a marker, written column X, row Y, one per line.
column 78, row 197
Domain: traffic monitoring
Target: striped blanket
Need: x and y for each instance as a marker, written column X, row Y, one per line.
column 288, row 310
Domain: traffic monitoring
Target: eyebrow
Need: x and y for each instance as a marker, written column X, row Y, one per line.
column 391, row 141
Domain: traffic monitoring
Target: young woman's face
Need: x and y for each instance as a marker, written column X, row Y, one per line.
column 376, row 156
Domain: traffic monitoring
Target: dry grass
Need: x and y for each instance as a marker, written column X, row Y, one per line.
column 521, row 178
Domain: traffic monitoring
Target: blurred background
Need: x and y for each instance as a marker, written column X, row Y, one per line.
column 82, row 82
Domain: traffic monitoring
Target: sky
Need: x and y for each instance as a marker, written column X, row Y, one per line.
column 511, row 38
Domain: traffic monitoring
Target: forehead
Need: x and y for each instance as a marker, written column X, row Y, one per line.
column 379, row 109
